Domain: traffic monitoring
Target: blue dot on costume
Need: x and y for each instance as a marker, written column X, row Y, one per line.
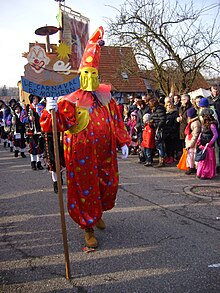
column 72, row 206
column 106, row 173
column 109, row 183
column 92, row 133
column 82, row 162
column 71, row 174
column 90, row 110
column 95, row 167
column 85, row 192
column 99, row 197
column 68, row 140
column 96, row 140
column 87, row 157
column 90, row 221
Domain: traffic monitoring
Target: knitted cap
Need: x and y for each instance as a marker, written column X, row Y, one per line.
column 204, row 102
column 191, row 112
column 134, row 113
column 207, row 111
column 146, row 117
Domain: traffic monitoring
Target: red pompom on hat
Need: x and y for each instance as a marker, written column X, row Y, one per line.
column 92, row 51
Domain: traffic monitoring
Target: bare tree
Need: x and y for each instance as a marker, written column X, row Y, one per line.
column 170, row 39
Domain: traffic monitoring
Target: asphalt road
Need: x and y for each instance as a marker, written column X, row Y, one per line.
column 162, row 236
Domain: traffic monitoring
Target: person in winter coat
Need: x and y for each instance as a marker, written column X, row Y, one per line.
column 94, row 129
column 148, row 142
column 192, row 132
column 142, row 108
column 182, row 119
column 171, row 132
column 158, row 115
column 207, row 138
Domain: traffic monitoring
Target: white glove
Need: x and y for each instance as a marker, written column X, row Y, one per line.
column 51, row 104
column 124, row 151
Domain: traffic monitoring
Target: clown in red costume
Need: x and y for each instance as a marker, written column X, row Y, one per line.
column 93, row 129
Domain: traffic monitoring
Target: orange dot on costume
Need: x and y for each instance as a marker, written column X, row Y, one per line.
column 82, row 200
column 98, row 123
column 78, row 169
column 109, row 160
column 65, row 110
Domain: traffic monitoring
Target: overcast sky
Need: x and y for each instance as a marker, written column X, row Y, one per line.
column 20, row 18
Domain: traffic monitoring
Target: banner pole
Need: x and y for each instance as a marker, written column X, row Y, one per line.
column 60, row 194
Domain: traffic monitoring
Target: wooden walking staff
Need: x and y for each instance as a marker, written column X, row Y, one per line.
column 47, row 31
column 60, row 194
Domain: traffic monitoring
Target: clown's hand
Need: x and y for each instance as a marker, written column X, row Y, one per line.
column 124, row 151
column 51, row 104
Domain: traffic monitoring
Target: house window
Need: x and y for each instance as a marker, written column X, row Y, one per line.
column 124, row 75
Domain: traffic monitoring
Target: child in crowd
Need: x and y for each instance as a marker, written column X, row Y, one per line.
column 131, row 127
column 206, row 169
column 148, row 142
column 192, row 132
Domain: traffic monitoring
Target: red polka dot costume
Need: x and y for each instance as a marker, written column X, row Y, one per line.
column 93, row 129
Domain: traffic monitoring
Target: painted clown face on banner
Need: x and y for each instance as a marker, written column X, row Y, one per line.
column 37, row 58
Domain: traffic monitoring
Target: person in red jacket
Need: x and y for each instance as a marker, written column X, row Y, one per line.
column 148, row 142
column 94, row 129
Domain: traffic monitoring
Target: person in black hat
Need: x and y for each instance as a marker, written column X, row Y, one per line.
column 36, row 139
column 12, row 102
column 19, row 131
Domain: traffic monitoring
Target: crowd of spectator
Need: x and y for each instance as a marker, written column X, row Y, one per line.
column 164, row 126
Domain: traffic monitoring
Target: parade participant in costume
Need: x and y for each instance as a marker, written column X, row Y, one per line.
column 6, row 122
column 11, row 103
column 36, row 140
column 19, row 131
column 95, row 130
column 50, row 156
column 207, row 139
